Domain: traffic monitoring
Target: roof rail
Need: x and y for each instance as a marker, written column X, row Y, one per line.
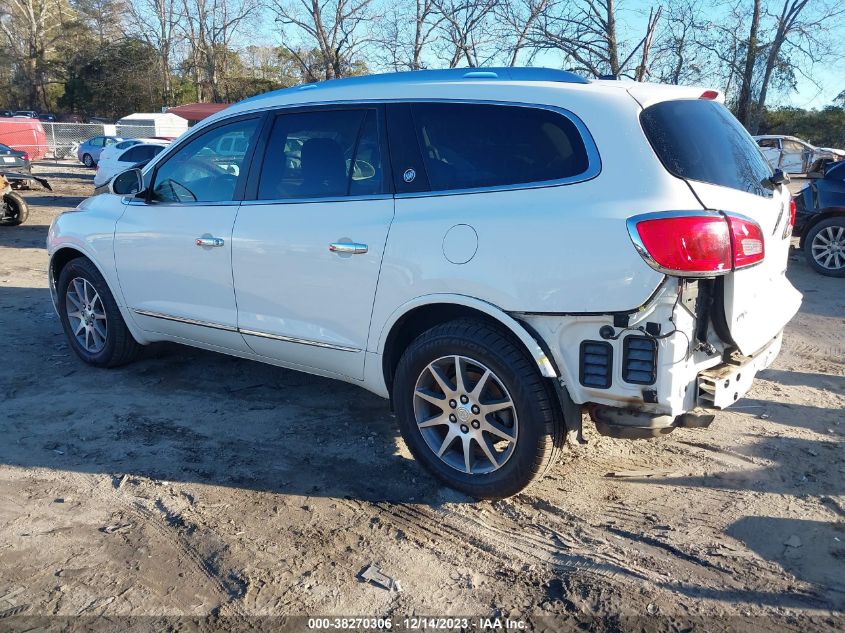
column 503, row 73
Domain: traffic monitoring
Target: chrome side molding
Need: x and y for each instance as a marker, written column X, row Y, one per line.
column 229, row 328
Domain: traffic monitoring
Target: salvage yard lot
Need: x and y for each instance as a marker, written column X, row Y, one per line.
column 191, row 483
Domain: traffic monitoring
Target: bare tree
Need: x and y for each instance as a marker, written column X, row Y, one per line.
column 518, row 18
column 209, row 26
column 31, row 29
column 678, row 52
column 402, row 38
column 805, row 32
column 157, row 22
column 585, row 31
column 334, row 27
column 467, row 30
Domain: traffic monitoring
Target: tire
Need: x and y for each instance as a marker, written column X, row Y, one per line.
column 824, row 247
column 17, row 210
column 117, row 347
column 533, row 421
column 87, row 160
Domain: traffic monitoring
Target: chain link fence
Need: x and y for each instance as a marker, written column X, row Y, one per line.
column 63, row 139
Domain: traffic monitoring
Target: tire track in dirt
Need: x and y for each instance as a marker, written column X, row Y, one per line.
column 179, row 533
column 501, row 542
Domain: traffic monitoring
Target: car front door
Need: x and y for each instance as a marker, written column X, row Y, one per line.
column 307, row 249
column 173, row 248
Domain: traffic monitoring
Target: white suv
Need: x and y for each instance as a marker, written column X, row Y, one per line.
column 497, row 251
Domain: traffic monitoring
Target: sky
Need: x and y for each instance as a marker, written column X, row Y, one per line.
column 632, row 15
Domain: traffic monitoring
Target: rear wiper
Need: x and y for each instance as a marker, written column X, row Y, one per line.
column 777, row 178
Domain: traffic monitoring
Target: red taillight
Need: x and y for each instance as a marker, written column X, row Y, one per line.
column 748, row 241
column 709, row 94
column 699, row 244
column 25, row 156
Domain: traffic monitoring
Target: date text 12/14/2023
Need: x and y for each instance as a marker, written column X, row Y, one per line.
column 415, row 623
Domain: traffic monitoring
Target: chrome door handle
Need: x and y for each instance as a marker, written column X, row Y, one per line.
column 352, row 248
column 210, row 241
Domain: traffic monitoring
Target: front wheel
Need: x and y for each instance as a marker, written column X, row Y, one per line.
column 474, row 410
column 91, row 319
column 87, row 160
column 824, row 247
column 15, row 210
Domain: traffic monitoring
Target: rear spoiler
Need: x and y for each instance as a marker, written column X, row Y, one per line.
column 647, row 94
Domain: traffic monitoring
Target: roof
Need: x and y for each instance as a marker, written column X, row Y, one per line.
column 148, row 116
column 429, row 76
column 197, row 111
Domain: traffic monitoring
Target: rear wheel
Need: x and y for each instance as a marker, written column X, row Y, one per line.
column 474, row 410
column 91, row 319
column 87, row 160
column 15, row 210
column 824, row 247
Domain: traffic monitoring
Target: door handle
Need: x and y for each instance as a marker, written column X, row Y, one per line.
column 210, row 241
column 352, row 248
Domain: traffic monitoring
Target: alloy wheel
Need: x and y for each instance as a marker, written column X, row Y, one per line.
column 86, row 315
column 828, row 247
column 465, row 414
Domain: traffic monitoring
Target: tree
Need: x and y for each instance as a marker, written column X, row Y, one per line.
column 467, row 31
column 586, row 33
column 335, row 28
column 519, row 18
column 209, row 26
column 32, row 29
column 119, row 78
column 156, row 21
column 403, row 38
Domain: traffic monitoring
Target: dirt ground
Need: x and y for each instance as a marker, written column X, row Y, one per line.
column 192, row 484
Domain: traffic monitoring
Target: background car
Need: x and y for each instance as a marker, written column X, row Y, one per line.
column 14, row 160
column 30, row 114
column 5, row 113
column 820, row 221
column 791, row 154
column 89, row 151
column 113, row 162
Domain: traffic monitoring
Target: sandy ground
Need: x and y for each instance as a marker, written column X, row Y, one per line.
column 194, row 484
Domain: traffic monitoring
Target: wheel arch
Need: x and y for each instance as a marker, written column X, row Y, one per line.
column 821, row 216
column 65, row 254
column 423, row 313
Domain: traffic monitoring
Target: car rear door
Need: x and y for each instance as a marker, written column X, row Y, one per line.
column 307, row 249
column 703, row 143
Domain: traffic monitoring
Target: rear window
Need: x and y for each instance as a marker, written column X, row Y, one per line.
column 701, row 140
column 467, row 145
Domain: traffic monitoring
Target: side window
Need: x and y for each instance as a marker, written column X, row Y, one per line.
column 131, row 155
column 479, row 145
column 97, row 141
column 768, row 142
column 108, row 141
column 199, row 172
column 326, row 153
column 793, row 147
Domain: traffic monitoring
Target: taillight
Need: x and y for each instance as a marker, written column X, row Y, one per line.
column 693, row 243
column 787, row 230
column 709, row 94
column 747, row 237
column 25, row 156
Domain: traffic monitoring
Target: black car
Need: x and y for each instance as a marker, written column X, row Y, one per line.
column 14, row 160
column 820, row 220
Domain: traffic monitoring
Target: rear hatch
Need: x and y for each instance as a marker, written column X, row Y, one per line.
column 701, row 142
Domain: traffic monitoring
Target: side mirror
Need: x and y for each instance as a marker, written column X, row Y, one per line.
column 127, row 183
